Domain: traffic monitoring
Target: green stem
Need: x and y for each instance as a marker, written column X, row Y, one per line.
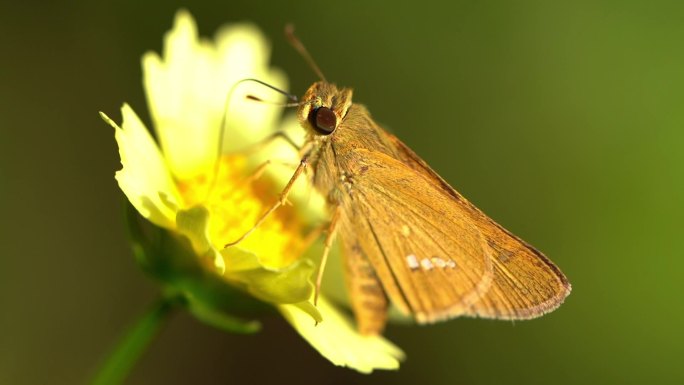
column 126, row 353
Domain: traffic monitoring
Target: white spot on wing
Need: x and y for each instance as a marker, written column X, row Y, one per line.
column 439, row 262
column 412, row 262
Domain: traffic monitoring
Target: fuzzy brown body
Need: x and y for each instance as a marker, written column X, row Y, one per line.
column 409, row 237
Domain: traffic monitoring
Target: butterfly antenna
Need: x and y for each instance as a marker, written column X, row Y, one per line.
column 272, row 103
column 297, row 44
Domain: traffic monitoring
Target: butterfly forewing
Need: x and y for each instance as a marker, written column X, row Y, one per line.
column 417, row 238
column 526, row 283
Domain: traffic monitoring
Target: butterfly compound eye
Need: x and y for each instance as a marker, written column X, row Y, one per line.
column 323, row 120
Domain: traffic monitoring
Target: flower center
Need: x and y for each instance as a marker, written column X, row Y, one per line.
column 237, row 200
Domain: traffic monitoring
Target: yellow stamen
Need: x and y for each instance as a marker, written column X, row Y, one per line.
column 236, row 201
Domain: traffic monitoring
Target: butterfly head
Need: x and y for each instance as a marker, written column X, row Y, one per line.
column 323, row 107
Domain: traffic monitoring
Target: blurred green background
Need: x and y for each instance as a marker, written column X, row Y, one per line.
column 563, row 121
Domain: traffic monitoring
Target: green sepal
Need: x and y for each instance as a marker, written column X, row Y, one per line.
column 288, row 285
column 221, row 320
column 171, row 260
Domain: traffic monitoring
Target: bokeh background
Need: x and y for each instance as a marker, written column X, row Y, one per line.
column 564, row 121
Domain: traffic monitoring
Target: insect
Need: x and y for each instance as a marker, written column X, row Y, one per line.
column 407, row 236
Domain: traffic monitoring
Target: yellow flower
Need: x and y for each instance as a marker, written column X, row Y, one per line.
column 210, row 193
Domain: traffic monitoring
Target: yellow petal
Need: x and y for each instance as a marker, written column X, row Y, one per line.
column 187, row 93
column 194, row 224
column 337, row 339
column 244, row 53
column 144, row 177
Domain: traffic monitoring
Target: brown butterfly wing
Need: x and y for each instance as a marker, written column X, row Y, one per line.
column 366, row 294
column 526, row 284
column 432, row 260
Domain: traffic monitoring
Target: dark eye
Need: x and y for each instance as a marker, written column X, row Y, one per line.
column 323, row 120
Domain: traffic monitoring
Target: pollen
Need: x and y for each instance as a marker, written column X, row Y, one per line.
column 236, row 198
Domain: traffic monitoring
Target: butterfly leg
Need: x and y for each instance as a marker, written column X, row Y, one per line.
column 261, row 144
column 281, row 201
column 259, row 171
column 329, row 238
